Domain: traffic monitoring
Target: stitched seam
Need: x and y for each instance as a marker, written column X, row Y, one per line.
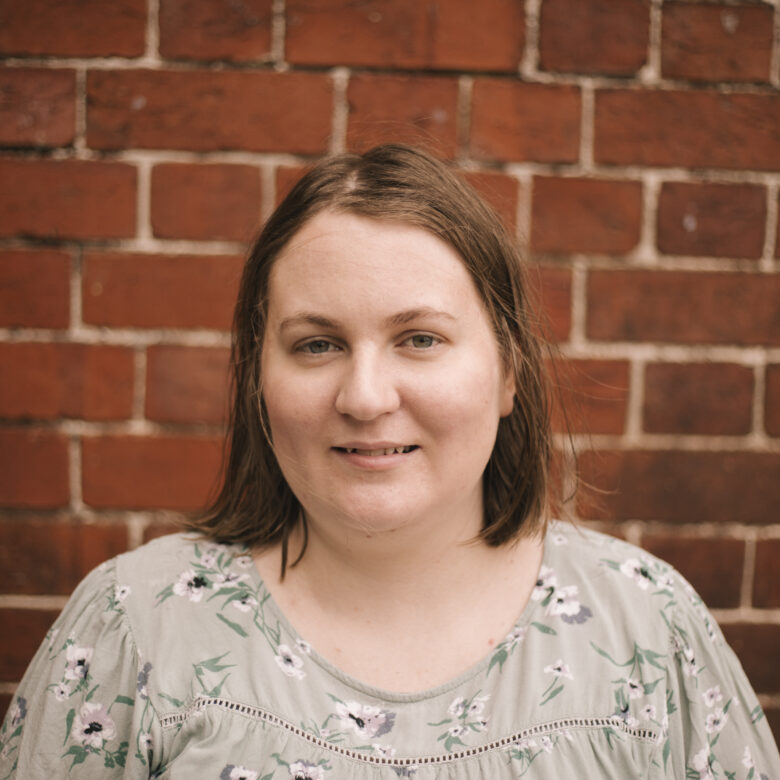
column 645, row 735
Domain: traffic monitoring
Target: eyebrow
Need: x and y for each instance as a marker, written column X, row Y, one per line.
column 395, row 320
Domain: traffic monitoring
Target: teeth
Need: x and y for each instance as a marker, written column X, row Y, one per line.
column 376, row 453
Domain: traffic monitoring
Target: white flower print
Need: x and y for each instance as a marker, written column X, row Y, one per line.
column 747, row 759
column 458, row 707
column 715, row 721
column 191, row 585
column 648, row 712
column 457, row 730
column 233, row 772
column 77, row 662
column 244, row 561
column 558, row 539
column 289, row 663
column 547, row 744
column 559, row 669
column 121, row 592
column 145, row 741
column 18, row 711
column 385, row 751
column 477, row 706
column 635, row 688
column 637, row 571
column 712, row 696
column 366, row 721
column 516, row 635
column 544, row 584
column 701, row 763
column 93, row 726
column 303, row 646
column 303, row 770
column 143, row 680
column 209, row 558
column 61, row 691
column 565, row 603
column 230, row 578
column 246, row 603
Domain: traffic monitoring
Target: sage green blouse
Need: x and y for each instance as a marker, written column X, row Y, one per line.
column 173, row 661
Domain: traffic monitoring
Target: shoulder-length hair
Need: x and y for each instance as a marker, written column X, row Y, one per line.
column 255, row 505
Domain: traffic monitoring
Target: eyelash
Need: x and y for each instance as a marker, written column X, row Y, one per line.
column 305, row 347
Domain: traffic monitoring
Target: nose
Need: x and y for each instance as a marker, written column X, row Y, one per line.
column 367, row 388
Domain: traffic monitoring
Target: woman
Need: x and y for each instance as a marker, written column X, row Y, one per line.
column 376, row 592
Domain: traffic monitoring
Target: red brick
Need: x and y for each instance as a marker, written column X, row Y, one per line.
column 160, row 291
column 766, row 579
column 5, row 703
column 67, row 199
column 409, row 109
column 690, row 129
column 698, row 398
column 713, row 566
column 167, row 472
column 457, row 34
column 684, row 307
column 684, row 487
column 66, row 380
column 772, row 401
column 600, row 36
column 23, row 631
column 514, row 121
column 34, row 288
column 37, row 107
column 73, row 28
column 160, row 528
column 209, row 110
column 594, row 395
column 215, row 29
column 33, row 468
column 187, row 384
column 500, row 191
column 711, row 220
column 205, row 201
column 716, row 42
column 773, row 718
column 46, row 556
column 585, row 215
column 758, row 646
column 550, row 293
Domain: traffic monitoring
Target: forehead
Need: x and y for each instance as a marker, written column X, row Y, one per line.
column 337, row 257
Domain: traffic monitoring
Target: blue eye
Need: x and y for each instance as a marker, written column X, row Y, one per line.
column 422, row 341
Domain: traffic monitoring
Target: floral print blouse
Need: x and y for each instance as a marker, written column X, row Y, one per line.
column 173, row 661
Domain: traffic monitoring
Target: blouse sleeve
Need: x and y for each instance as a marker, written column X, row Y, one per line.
column 82, row 709
column 716, row 727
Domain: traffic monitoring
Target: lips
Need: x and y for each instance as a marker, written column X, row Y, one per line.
column 373, row 453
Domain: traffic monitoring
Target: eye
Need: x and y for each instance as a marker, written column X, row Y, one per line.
column 422, row 341
column 315, row 347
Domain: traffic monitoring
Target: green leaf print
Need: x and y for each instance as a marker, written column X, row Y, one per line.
column 69, row 725
column 240, row 631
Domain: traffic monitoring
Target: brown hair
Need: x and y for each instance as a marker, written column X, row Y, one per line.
column 255, row 505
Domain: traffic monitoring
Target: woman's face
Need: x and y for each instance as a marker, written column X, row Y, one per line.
column 381, row 376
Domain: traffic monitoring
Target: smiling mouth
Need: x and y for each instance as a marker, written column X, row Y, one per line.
column 377, row 453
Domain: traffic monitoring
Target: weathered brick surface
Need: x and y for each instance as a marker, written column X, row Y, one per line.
column 187, row 384
column 766, row 581
column 592, row 396
column 515, row 121
column 39, row 556
column 711, row 220
column 500, row 191
column 716, row 42
column 772, row 401
column 160, row 291
column 698, row 398
column 406, row 34
column 215, row 29
column 408, row 109
column 169, row 472
column 73, row 28
column 683, row 487
column 694, row 129
column 585, row 215
column 33, row 469
column 93, row 382
column 600, row 36
column 684, row 307
column 205, row 201
column 713, row 566
column 23, row 630
column 756, row 646
column 207, row 110
column 34, row 288
column 67, row 199
column 37, row 107
column 550, row 290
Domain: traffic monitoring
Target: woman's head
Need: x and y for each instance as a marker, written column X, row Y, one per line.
column 393, row 184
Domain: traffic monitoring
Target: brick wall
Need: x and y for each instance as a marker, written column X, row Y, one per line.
column 634, row 146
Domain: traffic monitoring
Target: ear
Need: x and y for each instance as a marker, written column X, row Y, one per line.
column 507, row 399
